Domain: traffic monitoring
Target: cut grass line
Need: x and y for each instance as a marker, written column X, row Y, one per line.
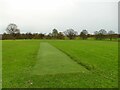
column 53, row 61
column 87, row 66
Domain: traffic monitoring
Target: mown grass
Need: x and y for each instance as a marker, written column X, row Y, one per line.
column 53, row 61
column 0, row 64
column 100, row 57
column 19, row 57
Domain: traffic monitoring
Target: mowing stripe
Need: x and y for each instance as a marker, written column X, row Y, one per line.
column 53, row 61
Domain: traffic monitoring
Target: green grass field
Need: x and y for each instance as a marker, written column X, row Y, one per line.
column 60, row 64
column 0, row 64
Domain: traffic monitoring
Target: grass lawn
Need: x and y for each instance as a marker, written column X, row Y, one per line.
column 60, row 63
column 0, row 64
column 53, row 61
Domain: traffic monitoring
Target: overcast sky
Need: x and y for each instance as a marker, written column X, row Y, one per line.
column 44, row 15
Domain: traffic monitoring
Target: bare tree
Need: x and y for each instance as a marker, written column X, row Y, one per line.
column 70, row 33
column 60, row 35
column 96, row 34
column 84, row 34
column 54, row 33
column 103, row 32
column 12, row 29
column 49, row 36
column 111, row 34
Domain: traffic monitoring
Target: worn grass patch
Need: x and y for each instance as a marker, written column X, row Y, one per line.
column 53, row 61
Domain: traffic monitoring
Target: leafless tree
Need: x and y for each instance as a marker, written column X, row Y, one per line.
column 54, row 33
column 70, row 33
column 12, row 29
column 111, row 34
column 84, row 34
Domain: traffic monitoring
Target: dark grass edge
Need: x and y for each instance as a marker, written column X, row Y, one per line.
column 60, row 89
column 86, row 66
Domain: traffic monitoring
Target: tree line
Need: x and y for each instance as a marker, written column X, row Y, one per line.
column 12, row 32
